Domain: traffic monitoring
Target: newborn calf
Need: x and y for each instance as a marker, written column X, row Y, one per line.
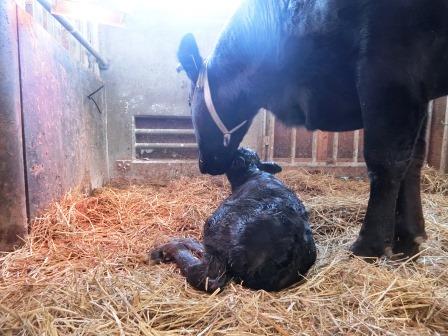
column 258, row 236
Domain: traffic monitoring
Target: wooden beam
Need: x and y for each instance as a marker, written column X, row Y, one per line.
column 335, row 147
column 293, row 144
column 444, row 155
column 429, row 129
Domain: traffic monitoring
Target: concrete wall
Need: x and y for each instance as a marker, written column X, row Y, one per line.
column 142, row 79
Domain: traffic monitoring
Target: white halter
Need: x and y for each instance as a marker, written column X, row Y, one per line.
column 203, row 82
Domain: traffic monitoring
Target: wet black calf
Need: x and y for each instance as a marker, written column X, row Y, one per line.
column 258, row 236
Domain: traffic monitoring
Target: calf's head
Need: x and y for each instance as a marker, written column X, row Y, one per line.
column 221, row 110
column 245, row 163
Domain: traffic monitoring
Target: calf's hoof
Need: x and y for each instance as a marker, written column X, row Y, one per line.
column 163, row 254
column 190, row 244
column 407, row 248
column 369, row 248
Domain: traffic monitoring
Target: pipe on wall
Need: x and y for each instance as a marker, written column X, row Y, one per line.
column 102, row 62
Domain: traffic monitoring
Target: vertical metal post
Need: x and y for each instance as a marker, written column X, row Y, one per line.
column 13, row 213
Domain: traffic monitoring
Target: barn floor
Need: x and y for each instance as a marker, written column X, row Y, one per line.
column 83, row 270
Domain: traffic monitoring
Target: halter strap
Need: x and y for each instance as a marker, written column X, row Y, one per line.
column 203, row 80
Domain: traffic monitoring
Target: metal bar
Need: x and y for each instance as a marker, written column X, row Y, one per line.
column 356, row 146
column 134, row 138
column 102, row 63
column 166, row 145
column 429, row 130
column 165, row 131
column 293, row 144
column 444, row 155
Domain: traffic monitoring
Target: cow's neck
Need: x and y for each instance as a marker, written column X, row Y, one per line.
column 247, row 51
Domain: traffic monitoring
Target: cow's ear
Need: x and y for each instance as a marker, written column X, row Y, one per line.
column 189, row 57
column 270, row 167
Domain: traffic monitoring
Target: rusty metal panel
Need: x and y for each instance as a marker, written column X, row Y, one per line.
column 13, row 217
column 65, row 137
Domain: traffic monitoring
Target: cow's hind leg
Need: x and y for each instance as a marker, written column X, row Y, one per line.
column 393, row 114
column 410, row 224
column 202, row 272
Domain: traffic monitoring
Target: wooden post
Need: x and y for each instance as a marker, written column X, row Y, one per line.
column 444, row 156
column 271, row 136
column 428, row 129
column 293, row 145
column 356, row 147
column 335, row 147
column 314, row 148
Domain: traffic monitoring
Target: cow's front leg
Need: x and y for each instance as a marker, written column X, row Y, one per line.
column 393, row 113
column 410, row 224
column 201, row 270
column 377, row 232
column 167, row 253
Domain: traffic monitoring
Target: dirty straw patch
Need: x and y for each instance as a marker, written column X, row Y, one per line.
column 83, row 269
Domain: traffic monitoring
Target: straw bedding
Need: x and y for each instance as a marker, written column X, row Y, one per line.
column 83, row 270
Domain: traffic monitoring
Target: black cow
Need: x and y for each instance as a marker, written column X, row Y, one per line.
column 333, row 65
column 259, row 235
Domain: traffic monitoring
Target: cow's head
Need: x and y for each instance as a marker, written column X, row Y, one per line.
column 220, row 108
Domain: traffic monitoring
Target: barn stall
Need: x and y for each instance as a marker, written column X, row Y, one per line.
column 99, row 165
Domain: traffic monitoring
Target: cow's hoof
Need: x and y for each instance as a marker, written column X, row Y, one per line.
column 366, row 249
column 407, row 248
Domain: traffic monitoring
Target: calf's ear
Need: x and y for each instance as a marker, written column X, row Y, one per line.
column 270, row 167
column 189, row 57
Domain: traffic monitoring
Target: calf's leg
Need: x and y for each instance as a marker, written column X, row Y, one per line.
column 203, row 272
column 393, row 114
column 410, row 224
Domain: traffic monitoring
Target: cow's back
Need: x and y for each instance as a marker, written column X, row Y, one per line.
column 330, row 39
